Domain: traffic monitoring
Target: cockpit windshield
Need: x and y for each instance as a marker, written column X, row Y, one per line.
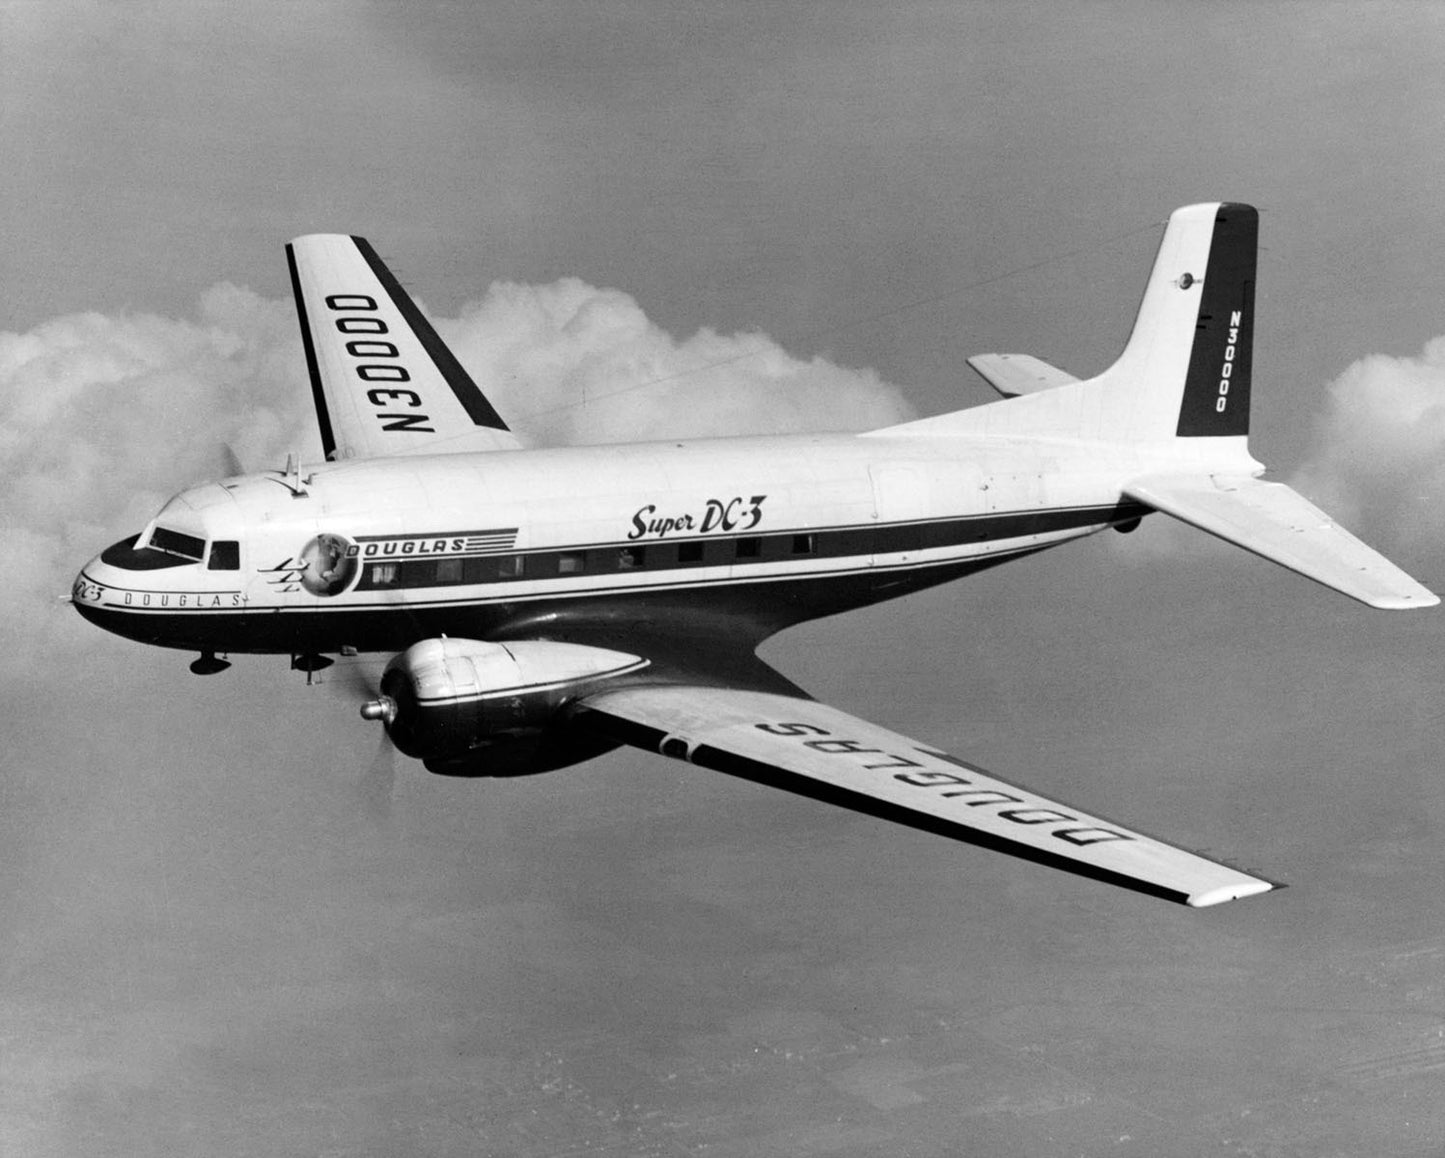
column 177, row 543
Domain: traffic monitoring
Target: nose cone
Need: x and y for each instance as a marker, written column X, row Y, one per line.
column 158, row 598
column 84, row 592
column 98, row 592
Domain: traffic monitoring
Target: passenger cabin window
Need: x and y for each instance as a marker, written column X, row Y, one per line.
column 411, row 573
column 177, row 543
column 225, row 556
column 479, row 570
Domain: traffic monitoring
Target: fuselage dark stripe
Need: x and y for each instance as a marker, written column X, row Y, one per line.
column 507, row 593
column 753, row 607
column 794, row 545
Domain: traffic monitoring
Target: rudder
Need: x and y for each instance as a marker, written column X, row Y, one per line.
column 1215, row 402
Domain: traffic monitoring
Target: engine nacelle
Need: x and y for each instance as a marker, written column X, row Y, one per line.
column 451, row 701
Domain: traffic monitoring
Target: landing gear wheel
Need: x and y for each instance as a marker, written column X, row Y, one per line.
column 208, row 664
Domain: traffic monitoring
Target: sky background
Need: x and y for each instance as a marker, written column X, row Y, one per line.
column 222, row 932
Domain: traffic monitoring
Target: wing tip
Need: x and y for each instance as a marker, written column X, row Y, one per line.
column 1405, row 602
column 1248, row 887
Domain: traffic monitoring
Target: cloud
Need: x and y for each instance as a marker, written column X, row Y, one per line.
column 103, row 417
column 1378, row 458
column 1375, row 463
column 573, row 364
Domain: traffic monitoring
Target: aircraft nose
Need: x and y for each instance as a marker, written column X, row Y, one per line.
column 111, row 586
column 160, row 598
column 90, row 590
column 89, row 611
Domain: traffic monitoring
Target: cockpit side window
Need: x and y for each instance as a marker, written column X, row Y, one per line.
column 225, row 556
column 177, row 543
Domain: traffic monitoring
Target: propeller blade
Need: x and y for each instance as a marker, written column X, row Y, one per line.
column 230, row 461
column 356, row 678
column 377, row 782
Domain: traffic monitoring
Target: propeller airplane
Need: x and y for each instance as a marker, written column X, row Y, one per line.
column 547, row 605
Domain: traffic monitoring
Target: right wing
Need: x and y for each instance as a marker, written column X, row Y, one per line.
column 383, row 382
column 805, row 747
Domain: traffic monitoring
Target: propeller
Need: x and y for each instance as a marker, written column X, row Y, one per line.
column 359, row 678
column 228, row 462
column 377, row 783
column 231, row 461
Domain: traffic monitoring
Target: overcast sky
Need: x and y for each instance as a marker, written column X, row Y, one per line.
column 221, row 934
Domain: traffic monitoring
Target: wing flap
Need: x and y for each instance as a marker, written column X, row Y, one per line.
column 813, row 750
column 383, row 381
column 1015, row 374
column 1281, row 525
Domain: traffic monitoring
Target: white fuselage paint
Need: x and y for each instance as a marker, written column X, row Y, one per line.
column 823, row 490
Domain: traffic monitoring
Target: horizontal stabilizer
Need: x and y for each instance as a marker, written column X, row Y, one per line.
column 1015, row 374
column 1282, row 525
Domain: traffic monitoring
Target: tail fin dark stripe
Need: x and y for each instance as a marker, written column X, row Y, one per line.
column 1216, row 389
column 313, row 368
column 473, row 401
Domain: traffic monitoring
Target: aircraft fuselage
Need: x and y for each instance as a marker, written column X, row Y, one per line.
column 763, row 532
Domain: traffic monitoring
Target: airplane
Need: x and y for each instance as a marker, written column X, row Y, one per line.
column 548, row 605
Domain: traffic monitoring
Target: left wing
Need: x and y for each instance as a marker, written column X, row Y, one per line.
column 809, row 748
column 383, row 381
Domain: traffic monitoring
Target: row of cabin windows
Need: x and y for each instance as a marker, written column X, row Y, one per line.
column 592, row 561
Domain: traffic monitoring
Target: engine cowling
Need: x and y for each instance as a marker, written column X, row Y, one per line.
column 472, row 708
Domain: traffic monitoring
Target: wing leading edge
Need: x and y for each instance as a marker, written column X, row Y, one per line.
column 382, row 380
column 817, row 751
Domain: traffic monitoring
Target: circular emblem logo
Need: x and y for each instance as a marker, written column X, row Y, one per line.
column 329, row 564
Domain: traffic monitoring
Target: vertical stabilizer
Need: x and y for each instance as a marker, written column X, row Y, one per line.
column 1173, row 413
column 1185, row 371
column 1216, row 387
